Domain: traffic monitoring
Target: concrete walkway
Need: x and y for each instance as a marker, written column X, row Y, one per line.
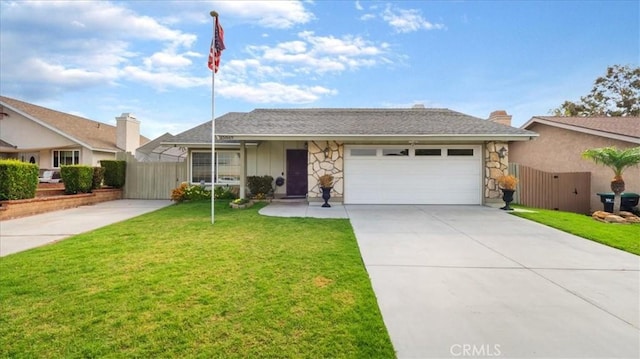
column 471, row 281
column 20, row 234
column 303, row 209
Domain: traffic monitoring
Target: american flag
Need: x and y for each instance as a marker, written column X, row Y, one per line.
column 217, row 45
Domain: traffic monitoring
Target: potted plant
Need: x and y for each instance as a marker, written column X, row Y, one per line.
column 508, row 186
column 326, row 184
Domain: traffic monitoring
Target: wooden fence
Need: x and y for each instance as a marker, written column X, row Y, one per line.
column 564, row 191
column 152, row 180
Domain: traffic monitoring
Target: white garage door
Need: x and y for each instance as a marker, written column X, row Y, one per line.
column 419, row 175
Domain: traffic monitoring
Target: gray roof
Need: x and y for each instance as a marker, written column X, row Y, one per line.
column 201, row 133
column 349, row 123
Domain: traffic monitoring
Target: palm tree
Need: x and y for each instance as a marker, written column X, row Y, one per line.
column 618, row 161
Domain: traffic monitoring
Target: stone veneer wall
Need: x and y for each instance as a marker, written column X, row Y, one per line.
column 494, row 168
column 320, row 164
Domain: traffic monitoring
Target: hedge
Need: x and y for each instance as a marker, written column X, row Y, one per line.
column 18, row 180
column 77, row 178
column 98, row 177
column 114, row 172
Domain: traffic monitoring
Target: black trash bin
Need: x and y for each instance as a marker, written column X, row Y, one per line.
column 627, row 202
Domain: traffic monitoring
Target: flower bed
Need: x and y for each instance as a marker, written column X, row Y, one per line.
column 241, row 203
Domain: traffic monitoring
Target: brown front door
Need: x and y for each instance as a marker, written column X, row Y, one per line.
column 297, row 172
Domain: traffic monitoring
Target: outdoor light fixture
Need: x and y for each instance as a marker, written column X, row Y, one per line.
column 326, row 151
column 502, row 153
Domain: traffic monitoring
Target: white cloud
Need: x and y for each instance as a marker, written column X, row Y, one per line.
column 273, row 14
column 70, row 45
column 273, row 92
column 163, row 80
column 167, row 60
column 63, row 76
column 367, row 17
column 322, row 54
column 56, row 47
column 407, row 20
column 359, row 6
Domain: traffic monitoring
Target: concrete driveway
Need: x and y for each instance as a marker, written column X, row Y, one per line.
column 472, row 281
column 20, row 234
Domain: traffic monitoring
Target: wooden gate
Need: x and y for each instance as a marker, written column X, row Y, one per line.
column 151, row 180
column 563, row 191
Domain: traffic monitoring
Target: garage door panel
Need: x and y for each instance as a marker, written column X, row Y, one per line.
column 413, row 180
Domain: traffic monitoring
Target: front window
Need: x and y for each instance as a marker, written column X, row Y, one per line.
column 227, row 167
column 201, row 167
column 65, row 157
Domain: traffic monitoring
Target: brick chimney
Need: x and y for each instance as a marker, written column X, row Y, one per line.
column 501, row 117
column 127, row 132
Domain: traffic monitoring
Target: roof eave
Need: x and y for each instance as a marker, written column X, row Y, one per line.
column 589, row 131
column 204, row 144
column 381, row 138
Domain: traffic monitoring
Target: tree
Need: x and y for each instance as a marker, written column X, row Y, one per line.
column 618, row 161
column 615, row 94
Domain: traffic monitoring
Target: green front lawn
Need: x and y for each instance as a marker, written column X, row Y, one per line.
column 621, row 236
column 169, row 284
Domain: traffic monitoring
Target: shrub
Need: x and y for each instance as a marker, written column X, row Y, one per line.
column 178, row 193
column 114, row 172
column 198, row 192
column 186, row 192
column 18, row 180
column 260, row 184
column 224, row 193
column 77, row 178
column 98, row 177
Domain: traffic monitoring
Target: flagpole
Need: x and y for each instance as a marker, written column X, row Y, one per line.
column 214, row 16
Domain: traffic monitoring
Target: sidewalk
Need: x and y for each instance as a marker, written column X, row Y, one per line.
column 20, row 234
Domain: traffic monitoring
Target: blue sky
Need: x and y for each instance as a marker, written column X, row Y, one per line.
column 99, row 59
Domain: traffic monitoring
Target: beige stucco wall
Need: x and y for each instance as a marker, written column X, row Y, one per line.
column 96, row 157
column 26, row 134
column 560, row 150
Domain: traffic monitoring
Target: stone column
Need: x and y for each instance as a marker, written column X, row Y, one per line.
column 325, row 157
column 495, row 167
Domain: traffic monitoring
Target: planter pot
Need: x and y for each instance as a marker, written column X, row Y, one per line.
column 507, row 197
column 326, row 195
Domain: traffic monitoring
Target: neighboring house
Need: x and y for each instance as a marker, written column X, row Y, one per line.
column 404, row 156
column 52, row 138
column 563, row 139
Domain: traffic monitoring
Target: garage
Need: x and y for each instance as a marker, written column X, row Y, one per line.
column 413, row 174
